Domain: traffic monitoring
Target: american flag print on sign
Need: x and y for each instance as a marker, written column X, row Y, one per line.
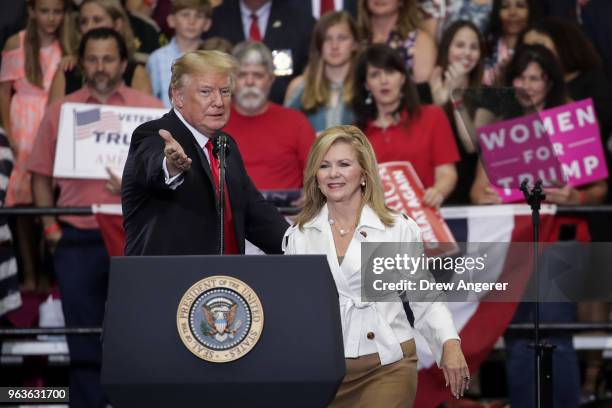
column 86, row 122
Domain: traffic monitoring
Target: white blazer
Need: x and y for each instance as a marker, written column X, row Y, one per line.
column 386, row 320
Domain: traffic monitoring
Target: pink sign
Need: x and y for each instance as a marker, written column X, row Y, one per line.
column 559, row 145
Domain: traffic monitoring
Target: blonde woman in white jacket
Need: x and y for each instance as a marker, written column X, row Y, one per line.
column 344, row 206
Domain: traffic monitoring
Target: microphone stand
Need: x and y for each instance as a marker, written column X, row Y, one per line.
column 543, row 351
column 221, row 152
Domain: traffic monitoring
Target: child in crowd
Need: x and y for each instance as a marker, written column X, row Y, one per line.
column 29, row 61
column 189, row 19
column 325, row 89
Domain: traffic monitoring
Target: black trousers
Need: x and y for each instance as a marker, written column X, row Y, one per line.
column 81, row 266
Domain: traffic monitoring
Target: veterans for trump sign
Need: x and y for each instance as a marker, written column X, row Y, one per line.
column 92, row 138
column 558, row 146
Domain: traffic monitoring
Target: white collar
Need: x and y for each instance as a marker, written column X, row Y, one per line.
column 200, row 137
column 260, row 12
column 368, row 218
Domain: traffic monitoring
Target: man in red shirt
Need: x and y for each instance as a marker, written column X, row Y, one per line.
column 80, row 259
column 274, row 140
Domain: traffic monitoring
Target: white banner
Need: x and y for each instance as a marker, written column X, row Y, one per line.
column 93, row 137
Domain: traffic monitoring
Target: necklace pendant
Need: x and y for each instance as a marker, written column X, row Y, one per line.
column 343, row 232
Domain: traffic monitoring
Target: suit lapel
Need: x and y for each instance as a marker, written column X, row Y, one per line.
column 275, row 22
column 233, row 181
column 237, row 31
column 231, row 177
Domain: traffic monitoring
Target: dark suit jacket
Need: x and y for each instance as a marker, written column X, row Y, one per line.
column 288, row 28
column 162, row 221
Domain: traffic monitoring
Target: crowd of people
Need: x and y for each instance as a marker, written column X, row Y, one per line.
column 404, row 72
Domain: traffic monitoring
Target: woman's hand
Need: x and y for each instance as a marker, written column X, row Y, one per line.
column 591, row 194
column 439, row 92
column 455, row 76
column 456, row 371
column 488, row 195
column 443, row 84
column 52, row 233
column 67, row 62
column 563, row 196
column 433, row 197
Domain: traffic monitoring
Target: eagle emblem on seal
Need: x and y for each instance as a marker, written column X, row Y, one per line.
column 219, row 319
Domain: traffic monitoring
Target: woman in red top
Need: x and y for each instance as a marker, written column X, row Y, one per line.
column 387, row 107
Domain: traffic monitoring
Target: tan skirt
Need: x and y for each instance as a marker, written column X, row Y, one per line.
column 368, row 384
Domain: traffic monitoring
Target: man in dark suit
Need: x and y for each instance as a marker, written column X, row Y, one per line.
column 281, row 26
column 170, row 178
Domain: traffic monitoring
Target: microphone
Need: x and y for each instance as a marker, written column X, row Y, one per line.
column 220, row 143
column 221, row 150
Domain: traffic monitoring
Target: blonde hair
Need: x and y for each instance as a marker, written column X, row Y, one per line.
column 202, row 62
column 31, row 44
column 407, row 19
column 372, row 192
column 116, row 12
column 316, row 85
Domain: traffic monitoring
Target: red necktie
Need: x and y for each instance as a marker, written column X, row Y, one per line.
column 231, row 245
column 326, row 6
column 254, row 34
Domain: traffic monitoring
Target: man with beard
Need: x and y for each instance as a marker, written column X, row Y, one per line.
column 274, row 140
column 80, row 259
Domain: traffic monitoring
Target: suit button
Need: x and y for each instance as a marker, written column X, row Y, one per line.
column 370, row 336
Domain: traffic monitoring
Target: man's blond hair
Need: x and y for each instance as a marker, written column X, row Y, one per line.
column 202, row 62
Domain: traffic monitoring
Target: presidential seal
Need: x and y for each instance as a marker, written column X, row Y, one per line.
column 220, row 319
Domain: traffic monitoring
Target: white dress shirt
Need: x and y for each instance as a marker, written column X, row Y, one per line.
column 263, row 15
column 386, row 320
column 316, row 7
